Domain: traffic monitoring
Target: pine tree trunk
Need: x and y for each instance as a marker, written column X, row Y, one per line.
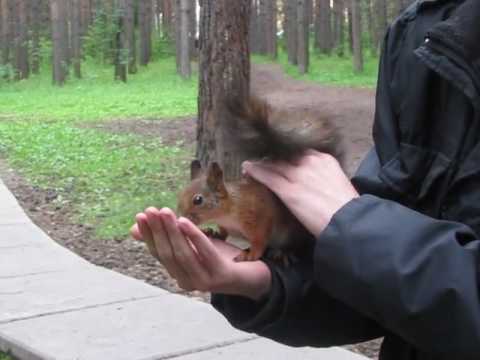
column 131, row 38
column 339, row 26
column 302, row 33
column 292, row 31
column 21, row 41
column 271, row 29
column 121, row 42
column 224, row 72
column 357, row 36
column 6, row 38
column 350, row 25
column 144, row 22
column 75, row 21
column 324, row 35
column 380, row 7
column 35, row 18
column 58, row 12
column 167, row 18
column 184, row 44
column 193, row 28
column 85, row 16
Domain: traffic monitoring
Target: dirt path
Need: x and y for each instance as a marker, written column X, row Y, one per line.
column 350, row 109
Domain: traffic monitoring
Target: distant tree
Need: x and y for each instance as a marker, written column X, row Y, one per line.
column 76, row 37
column 291, row 31
column 167, row 18
column 129, row 23
column 339, row 26
column 22, row 67
column 224, row 72
column 303, row 37
column 357, row 36
column 271, row 28
column 323, row 27
column 350, row 25
column 36, row 25
column 193, row 27
column 6, row 35
column 183, row 23
column 59, row 39
column 380, row 11
column 145, row 25
column 121, row 42
column 254, row 27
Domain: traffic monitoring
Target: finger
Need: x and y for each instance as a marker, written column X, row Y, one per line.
column 162, row 244
column 267, row 176
column 135, row 232
column 146, row 234
column 182, row 250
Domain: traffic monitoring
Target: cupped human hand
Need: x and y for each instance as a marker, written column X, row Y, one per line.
column 196, row 261
column 314, row 187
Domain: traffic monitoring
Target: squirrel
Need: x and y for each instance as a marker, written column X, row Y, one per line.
column 245, row 207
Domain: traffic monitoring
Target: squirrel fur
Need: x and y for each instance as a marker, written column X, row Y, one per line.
column 245, row 207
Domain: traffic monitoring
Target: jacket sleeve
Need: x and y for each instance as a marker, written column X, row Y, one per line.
column 297, row 313
column 418, row 277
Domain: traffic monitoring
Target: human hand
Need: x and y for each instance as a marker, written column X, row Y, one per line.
column 314, row 188
column 197, row 262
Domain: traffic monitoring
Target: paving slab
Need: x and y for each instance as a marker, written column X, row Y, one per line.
column 29, row 260
column 21, row 235
column 49, row 293
column 265, row 349
column 156, row 328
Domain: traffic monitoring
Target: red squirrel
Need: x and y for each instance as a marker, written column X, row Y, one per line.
column 245, row 207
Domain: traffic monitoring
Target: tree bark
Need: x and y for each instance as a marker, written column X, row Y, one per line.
column 350, row 25
column 21, row 41
column 167, row 18
column 380, row 9
column 35, row 19
column 6, row 38
column 121, row 43
column 224, row 72
column 292, row 31
column 357, row 36
column 76, row 37
column 131, row 38
column 271, row 29
column 183, row 45
column 303, row 38
column 324, row 29
column 339, row 26
column 58, row 12
column 145, row 24
column 193, row 28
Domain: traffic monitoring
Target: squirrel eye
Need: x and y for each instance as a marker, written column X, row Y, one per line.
column 197, row 200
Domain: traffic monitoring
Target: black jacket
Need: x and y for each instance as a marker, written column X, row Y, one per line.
column 403, row 260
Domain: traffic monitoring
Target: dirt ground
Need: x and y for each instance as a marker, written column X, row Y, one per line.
column 350, row 109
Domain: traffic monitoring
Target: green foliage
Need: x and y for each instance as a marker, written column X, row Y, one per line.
column 99, row 42
column 7, row 73
column 105, row 177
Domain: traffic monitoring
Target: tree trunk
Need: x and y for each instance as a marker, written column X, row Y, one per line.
column 184, row 44
column 271, row 29
column 76, row 37
column 224, row 72
column 167, row 18
column 380, row 7
column 292, row 31
column 6, row 38
column 302, row 33
column 85, row 16
column 339, row 26
column 324, row 35
column 21, row 41
column 58, row 12
column 35, row 19
column 145, row 24
column 121, row 43
column 350, row 25
column 131, row 39
column 193, row 28
column 357, row 36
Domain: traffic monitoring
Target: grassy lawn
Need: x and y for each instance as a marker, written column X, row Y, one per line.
column 4, row 356
column 105, row 177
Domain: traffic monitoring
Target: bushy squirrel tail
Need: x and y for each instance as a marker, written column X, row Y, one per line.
column 249, row 128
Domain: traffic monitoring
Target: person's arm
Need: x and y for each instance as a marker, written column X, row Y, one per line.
column 416, row 276
column 297, row 313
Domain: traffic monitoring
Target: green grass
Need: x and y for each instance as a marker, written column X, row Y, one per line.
column 4, row 356
column 156, row 91
column 335, row 70
column 105, row 177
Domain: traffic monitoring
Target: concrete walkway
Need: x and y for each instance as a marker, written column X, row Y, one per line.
column 55, row 305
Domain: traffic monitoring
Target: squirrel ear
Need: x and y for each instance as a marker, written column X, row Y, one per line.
column 195, row 169
column 215, row 178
